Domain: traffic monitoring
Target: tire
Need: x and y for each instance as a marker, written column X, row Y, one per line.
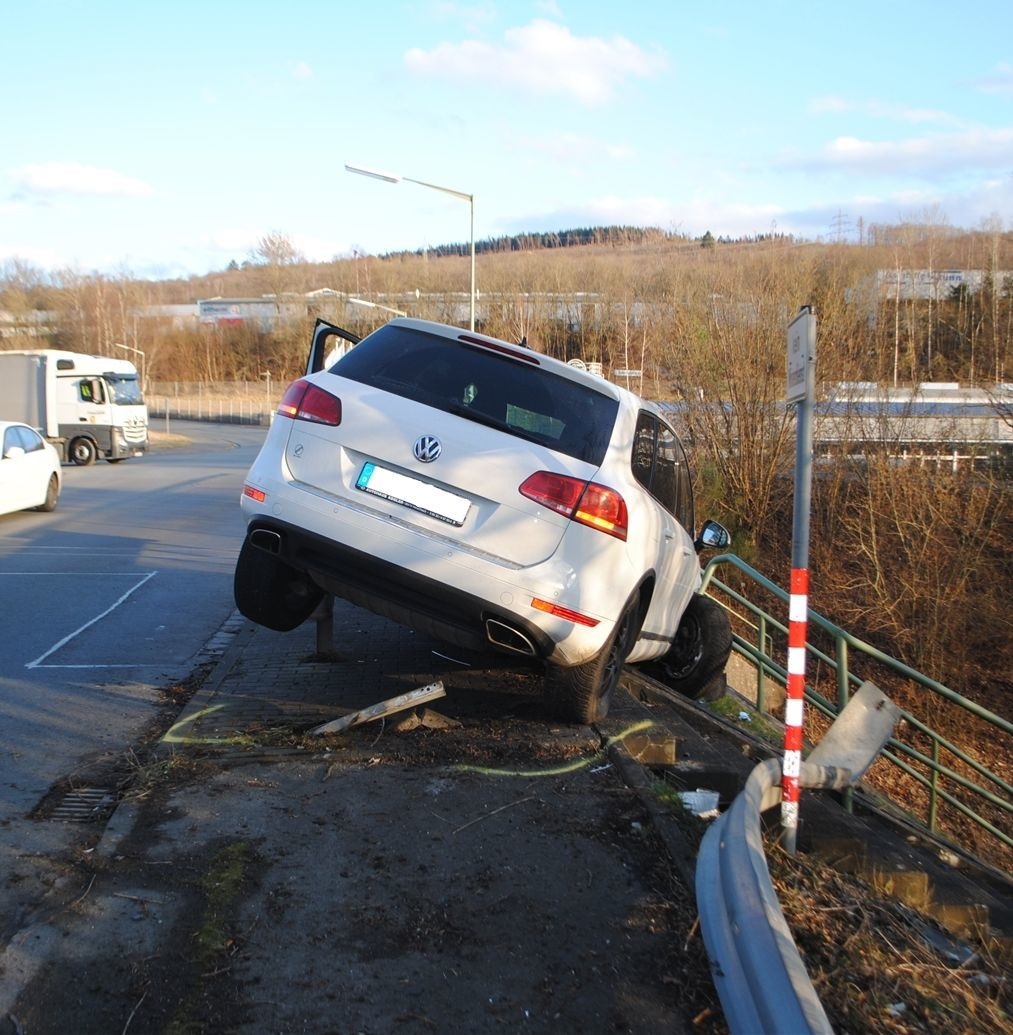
column 272, row 593
column 583, row 693
column 695, row 663
column 52, row 495
column 82, row 451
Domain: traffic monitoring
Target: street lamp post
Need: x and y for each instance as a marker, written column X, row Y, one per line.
column 470, row 198
column 376, row 305
column 139, row 352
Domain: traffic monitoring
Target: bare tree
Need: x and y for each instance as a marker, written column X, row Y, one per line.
column 277, row 249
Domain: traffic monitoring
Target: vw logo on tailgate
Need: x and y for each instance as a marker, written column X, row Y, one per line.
column 427, row 448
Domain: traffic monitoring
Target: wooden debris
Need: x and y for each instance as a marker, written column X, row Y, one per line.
column 429, row 719
column 383, row 709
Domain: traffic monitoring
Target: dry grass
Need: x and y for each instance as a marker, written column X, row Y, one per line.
column 872, row 965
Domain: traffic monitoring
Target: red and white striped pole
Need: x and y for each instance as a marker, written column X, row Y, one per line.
column 801, row 390
column 794, row 705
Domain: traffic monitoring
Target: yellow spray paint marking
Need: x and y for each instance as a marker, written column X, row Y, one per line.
column 568, row 767
column 174, row 736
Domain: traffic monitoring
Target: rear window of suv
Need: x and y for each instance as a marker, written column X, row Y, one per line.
column 474, row 382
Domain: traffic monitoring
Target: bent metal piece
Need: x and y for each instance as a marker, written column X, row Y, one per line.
column 758, row 973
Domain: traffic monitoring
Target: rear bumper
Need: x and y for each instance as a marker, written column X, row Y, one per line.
column 449, row 613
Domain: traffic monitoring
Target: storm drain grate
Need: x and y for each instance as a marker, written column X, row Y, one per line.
column 84, row 805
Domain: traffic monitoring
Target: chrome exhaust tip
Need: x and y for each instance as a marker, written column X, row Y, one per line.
column 266, row 540
column 506, row 637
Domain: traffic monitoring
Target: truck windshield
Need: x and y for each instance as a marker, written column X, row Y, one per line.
column 125, row 391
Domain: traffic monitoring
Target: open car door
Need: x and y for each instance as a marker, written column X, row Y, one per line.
column 328, row 344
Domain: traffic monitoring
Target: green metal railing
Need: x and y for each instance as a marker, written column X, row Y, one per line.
column 924, row 755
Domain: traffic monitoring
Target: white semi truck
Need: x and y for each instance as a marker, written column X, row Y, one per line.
column 89, row 407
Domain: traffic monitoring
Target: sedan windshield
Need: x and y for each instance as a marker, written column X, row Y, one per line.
column 517, row 397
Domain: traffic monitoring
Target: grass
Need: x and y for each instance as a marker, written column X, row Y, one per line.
column 732, row 708
column 870, row 959
column 215, row 940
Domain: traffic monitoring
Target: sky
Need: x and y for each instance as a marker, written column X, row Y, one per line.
column 159, row 140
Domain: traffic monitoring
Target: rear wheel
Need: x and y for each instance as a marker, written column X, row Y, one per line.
column 695, row 664
column 583, row 693
column 272, row 593
column 82, row 452
column 52, row 494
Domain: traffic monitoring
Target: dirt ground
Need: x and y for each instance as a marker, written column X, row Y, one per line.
column 431, row 881
column 502, row 875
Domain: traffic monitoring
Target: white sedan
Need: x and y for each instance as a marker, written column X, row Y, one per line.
column 30, row 473
column 490, row 496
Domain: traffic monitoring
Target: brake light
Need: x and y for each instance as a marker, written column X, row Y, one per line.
column 304, row 401
column 258, row 495
column 591, row 504
column 493, row 346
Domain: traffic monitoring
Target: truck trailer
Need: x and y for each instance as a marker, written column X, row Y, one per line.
column 89, row 407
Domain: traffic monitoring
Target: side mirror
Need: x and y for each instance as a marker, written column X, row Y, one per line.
column 713, row 536
column 14, row 452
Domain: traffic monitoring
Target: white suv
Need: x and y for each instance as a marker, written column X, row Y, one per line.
column 487, row 495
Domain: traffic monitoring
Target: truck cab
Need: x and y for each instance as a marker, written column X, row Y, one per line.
column 88, row 407
column 100, row 410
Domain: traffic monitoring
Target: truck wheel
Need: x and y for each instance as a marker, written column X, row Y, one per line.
column 52, row 495
column 82, row 451
column 583, row 693
column 695, row 663
column 272, row 593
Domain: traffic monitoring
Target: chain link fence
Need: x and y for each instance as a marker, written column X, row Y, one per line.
column 234, row 402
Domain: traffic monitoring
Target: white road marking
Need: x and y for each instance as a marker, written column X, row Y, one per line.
column 77, row 632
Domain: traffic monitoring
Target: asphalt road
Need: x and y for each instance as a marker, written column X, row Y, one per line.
column 106, row 600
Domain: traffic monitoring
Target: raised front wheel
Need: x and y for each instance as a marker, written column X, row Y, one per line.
column 695, row 663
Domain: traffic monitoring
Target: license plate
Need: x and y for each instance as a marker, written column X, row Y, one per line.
column 414, row 493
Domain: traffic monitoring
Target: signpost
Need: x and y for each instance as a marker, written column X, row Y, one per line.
column 801, row 391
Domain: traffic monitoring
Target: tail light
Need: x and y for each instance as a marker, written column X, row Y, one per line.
column 591, row 504
column 304, row 401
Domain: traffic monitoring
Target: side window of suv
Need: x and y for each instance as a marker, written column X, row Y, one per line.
column 659, row 464
column 672, row 457
column 665, row 483
column 642, row 460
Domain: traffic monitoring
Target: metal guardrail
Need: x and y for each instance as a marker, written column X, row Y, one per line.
column 969, row 791
column 758, row 973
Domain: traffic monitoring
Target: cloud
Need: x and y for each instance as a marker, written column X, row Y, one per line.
column 318, row 249
column 999, row 81
column 881, row 110
column 78, row 180
column 927, row 157
column 693, row 216
column 473, row 15
column 232, row 241
column 542, row 58
column 301, row 70
column 574, row 148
